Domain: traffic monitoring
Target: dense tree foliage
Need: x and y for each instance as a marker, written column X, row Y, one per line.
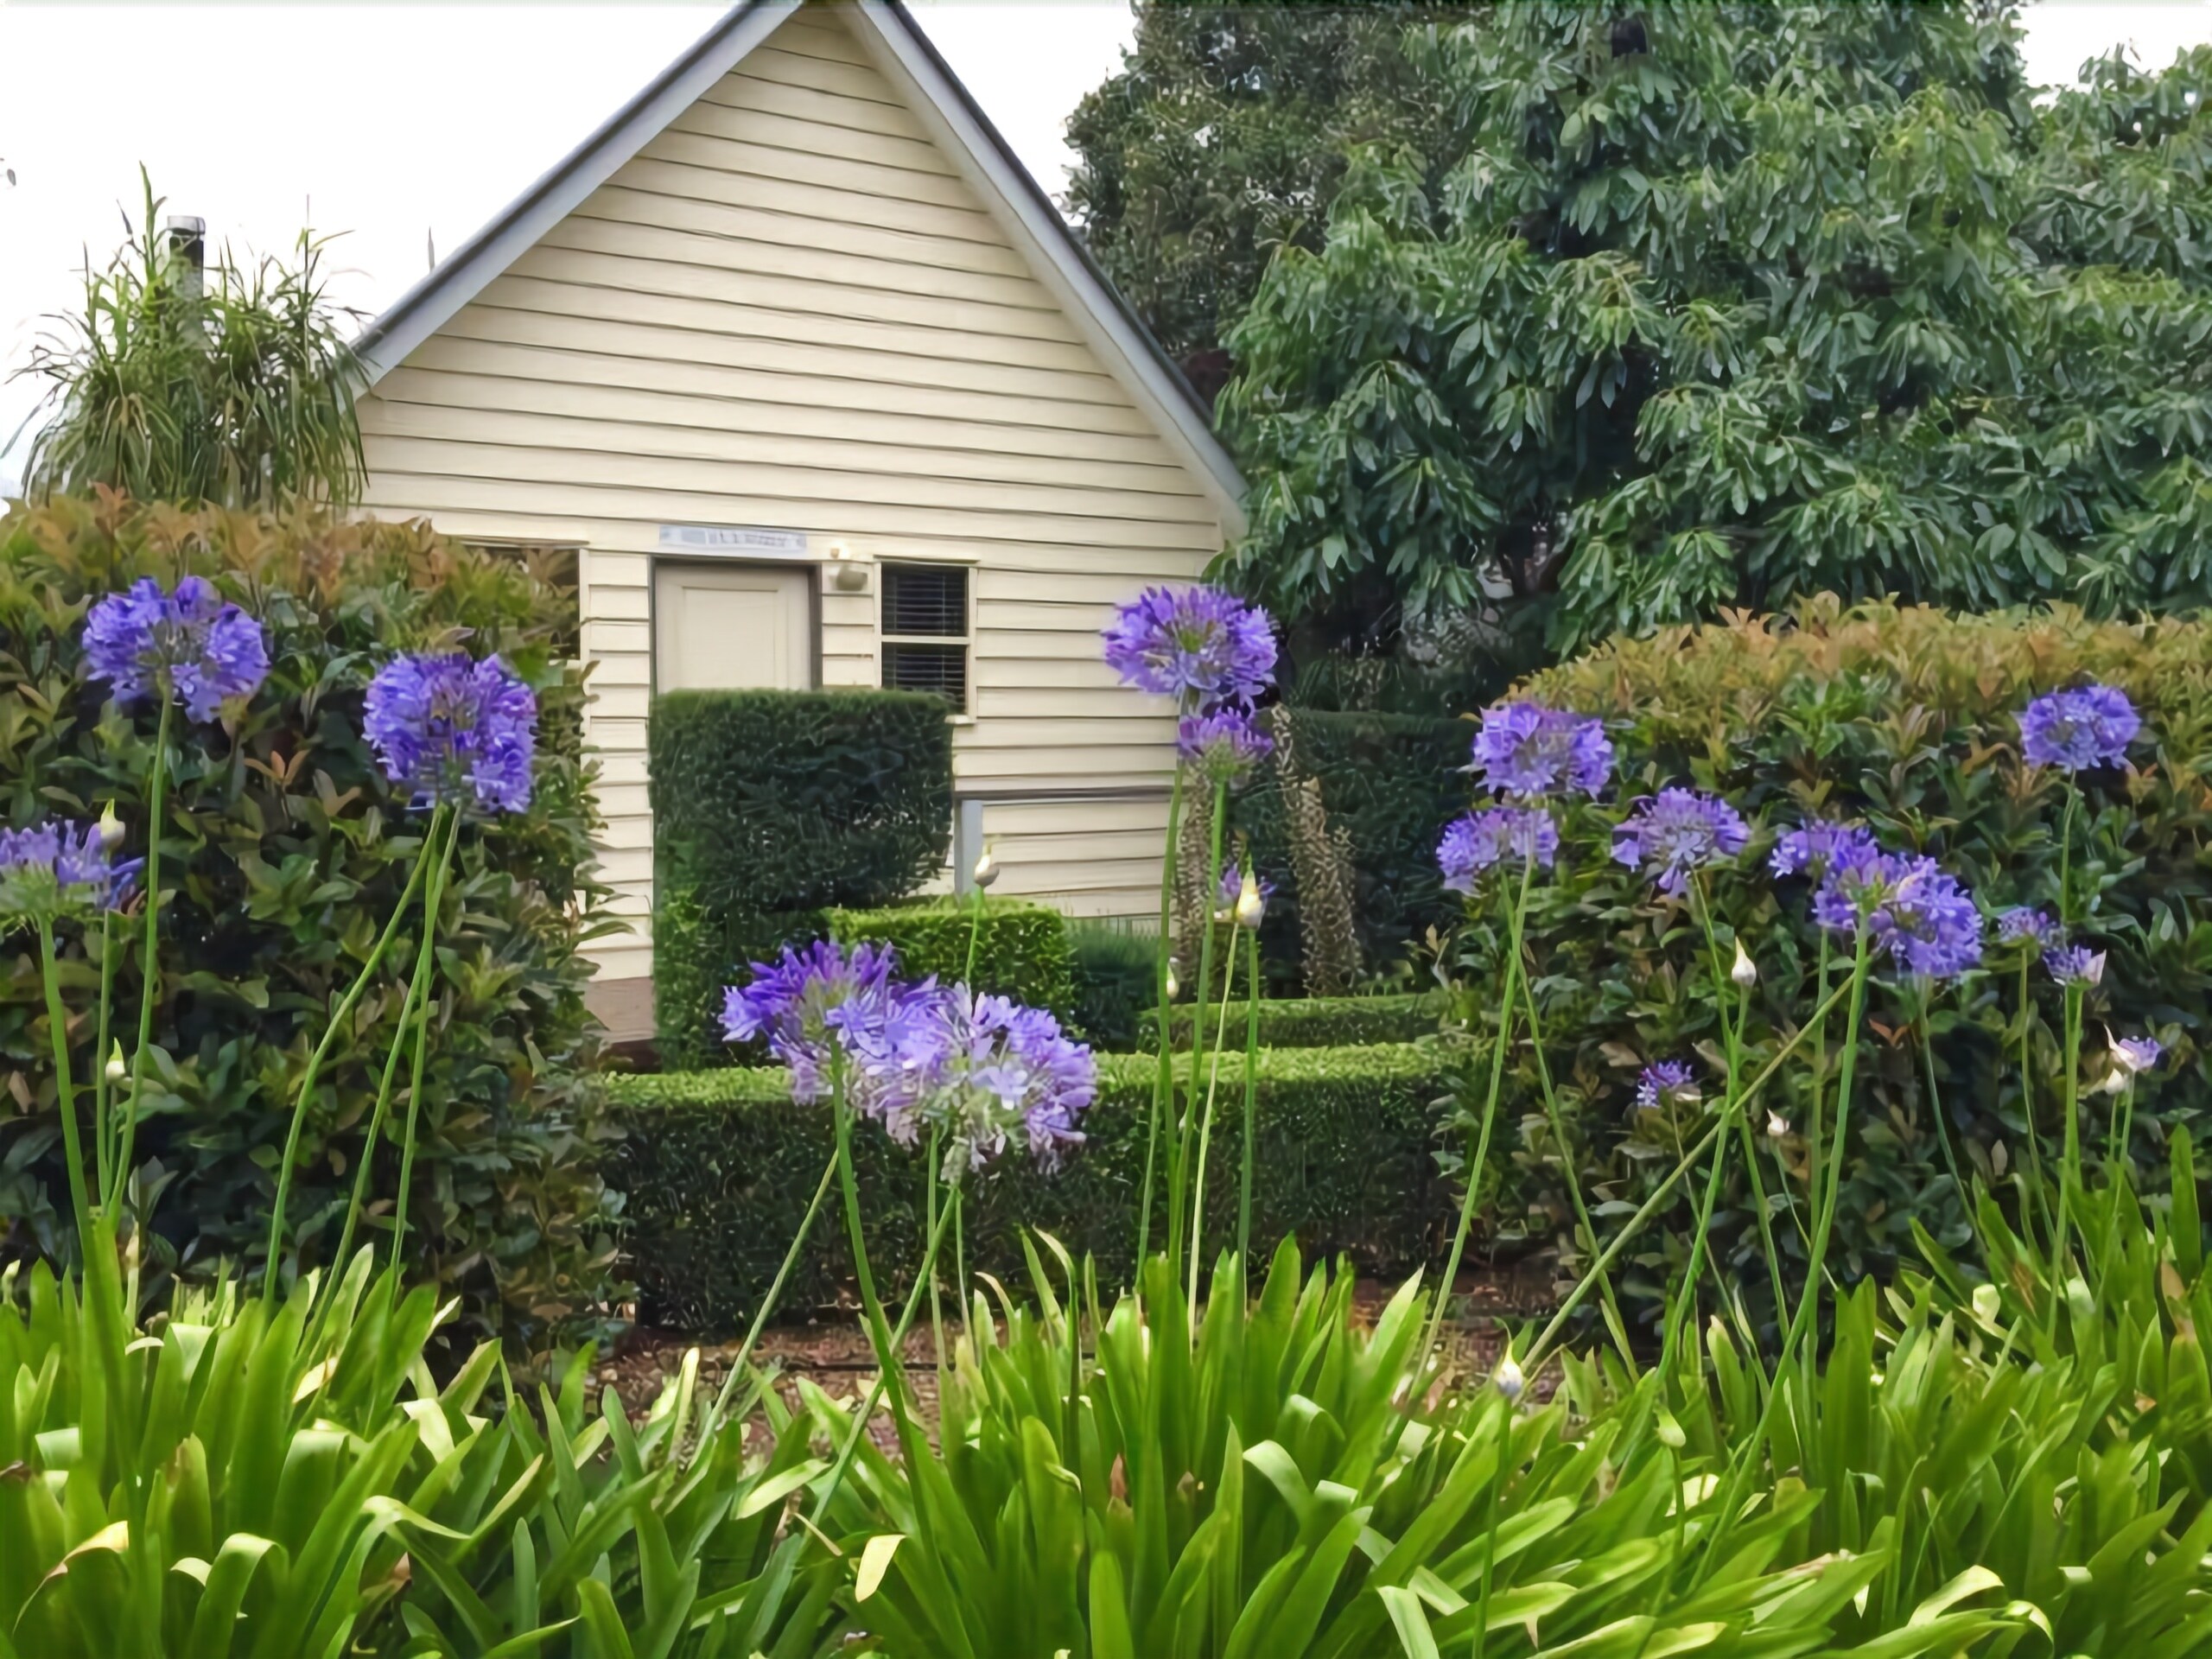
column 1720, row 304
column 1225, row 136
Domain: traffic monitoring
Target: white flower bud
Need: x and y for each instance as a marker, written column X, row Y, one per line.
column 1746, row 972
column 117, row 1071
column 1507, row 1378
column 1777, row 1125
column 985, row 870
column 1249, row 905
column 1987, row 1303
column 110, row 827
column 1174, row 989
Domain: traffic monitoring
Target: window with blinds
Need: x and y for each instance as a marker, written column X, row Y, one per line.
column 926, row 630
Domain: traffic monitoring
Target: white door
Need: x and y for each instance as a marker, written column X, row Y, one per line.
column 728, row 627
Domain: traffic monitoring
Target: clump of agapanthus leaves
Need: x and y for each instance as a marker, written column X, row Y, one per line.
column 455, row 729
column 190, row 643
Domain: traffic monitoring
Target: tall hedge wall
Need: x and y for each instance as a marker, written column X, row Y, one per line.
column 721, row 1166
column 772, row 807
column 284, row 854
column 1907, row 720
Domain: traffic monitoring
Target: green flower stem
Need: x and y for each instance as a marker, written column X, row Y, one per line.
column 1179, row 1148
column 337, row 1025
column 2028, row 1109
column 1251, row 1097
column 929, row 1223
column 65, row 1094
column 426, row 970
column 720, row 1408
column 417, row 986
column 1732, row 1038
column 150, row 968
column 1515, row 919
column 2069, row 1171
column 1205, row 1123
column 1490, row 1524
column 103, row 1140
column 1809, row 1304
column 1614, row 1322
column 975, row 933
column 1613, row 1251
column 1164, row 1079
column 890, row 1356
column 1943, row 1132
column 1820, row 1086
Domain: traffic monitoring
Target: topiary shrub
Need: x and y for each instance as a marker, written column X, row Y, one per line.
column 1021, row 949
column 720, row 1166
column 1906, row 720
column 1311, row 1021
column 771, row 803
column 284, row 854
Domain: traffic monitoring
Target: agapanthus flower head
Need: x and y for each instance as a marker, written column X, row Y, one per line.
column 454, row 729
column 1230, row 892
column 1922, row 918
column 1678, row 831
column 1223, row 746
column 1816, row 847
column 54, row 873
column 1510, row 835
column 2133, row 1055
column 1665, row 1082
column 1524, row 748
column 2024, row 924
column 2075, row 964
column 812, row 1003
column 1199, row 645
column 191, row 643
column 2077, row 730
column 1002, row 1075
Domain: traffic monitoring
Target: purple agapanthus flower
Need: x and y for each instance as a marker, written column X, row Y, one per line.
column 1818, row 846
column 1223, row 746
column 1664, row 1083
column 2131, row 1055
column 1199, row 645
column 1524, row 748
column 2077, row 730
column 54, row 873
column 2039, row 928
column 1497, row 835
column 1921, row 917
column 800, row 1004
column 453, row 729
column 1002, row 1074
column 1677, row 832
column 193, row 644
column 2075, row 964
column 1232, row 887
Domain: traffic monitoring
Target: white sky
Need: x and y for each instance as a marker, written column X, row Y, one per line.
column 398, row 123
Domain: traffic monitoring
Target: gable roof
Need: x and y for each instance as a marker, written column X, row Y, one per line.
column 904, row 54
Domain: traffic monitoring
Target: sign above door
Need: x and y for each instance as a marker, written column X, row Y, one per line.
column 747, row 541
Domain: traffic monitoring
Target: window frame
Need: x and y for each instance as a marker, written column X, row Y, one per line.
column 965, row 714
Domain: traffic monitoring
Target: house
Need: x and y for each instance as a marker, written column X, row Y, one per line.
column 805, row 372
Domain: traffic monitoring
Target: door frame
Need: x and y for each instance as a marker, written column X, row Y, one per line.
column 656, row 562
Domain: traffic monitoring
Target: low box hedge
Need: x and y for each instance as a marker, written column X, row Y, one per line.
column 719, row 1166
column 1312, row 1021
column 1021, row 949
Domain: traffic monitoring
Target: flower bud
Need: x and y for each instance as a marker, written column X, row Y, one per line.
column 1746, row 972
column 1507, row 1378
column 1174, row 989
column 1987, row 1303
column 985, row 870
column 1249, row 905
column 117, row 1071
column 1777, row 1125
column 110, row 827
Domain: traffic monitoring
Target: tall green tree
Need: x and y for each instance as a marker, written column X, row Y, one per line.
column 1224, row 137
column 232, row 385
column 1718, row 304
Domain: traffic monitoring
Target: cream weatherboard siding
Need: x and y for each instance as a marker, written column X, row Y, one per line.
column 790, row 309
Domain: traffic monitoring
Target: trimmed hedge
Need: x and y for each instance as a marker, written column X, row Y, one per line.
column 1021, row 949
column 285, row 853
column 770, row 807
column 1313, row 1021
column 719, row 1166
column 1390, row 782
column 1906, row 720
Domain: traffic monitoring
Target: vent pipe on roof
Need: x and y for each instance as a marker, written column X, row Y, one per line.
column 187, row 236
